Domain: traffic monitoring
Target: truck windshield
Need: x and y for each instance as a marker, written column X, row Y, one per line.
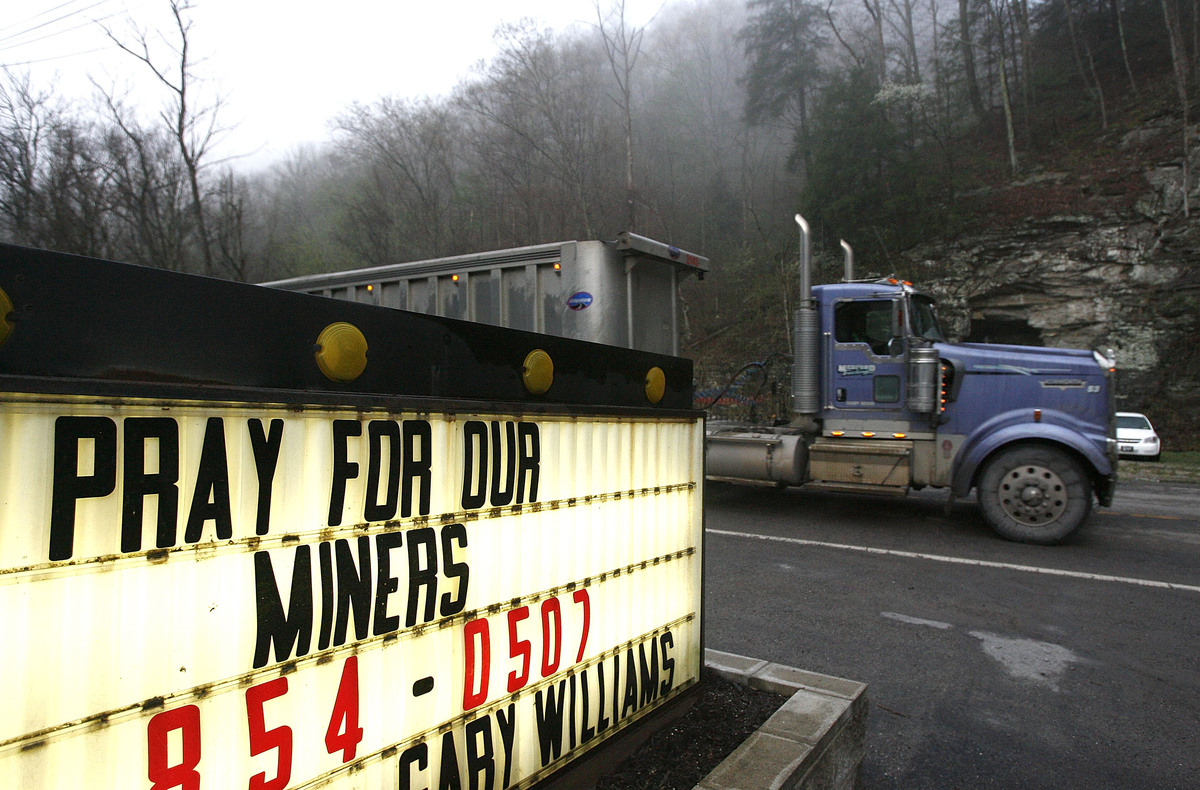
column 924, row 320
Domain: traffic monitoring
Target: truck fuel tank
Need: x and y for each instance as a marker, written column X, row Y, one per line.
column 753, row 454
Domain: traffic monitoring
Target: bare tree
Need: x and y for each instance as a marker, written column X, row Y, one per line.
column 968, row 55
column 52, row 188
column 1006, row 97
column 25, row 118
column 1091, row 82
column 192, row 128
column 875, row 9
column 622, row 45
column 412, row 150
column 906, row 29
column 149, row 192
column 544, row 99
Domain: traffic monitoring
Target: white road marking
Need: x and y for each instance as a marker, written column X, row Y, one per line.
column 917, row 620
column 1099, row 577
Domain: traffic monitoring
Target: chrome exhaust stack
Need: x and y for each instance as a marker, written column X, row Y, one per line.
column 806, row 340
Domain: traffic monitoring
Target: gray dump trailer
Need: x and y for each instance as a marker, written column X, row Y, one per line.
column 620, row 293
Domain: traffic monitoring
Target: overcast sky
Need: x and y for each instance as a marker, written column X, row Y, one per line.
column 284, row 67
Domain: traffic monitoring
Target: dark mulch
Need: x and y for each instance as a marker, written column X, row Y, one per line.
column 679, row 756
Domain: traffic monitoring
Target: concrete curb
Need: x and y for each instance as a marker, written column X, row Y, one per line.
column 815, row 740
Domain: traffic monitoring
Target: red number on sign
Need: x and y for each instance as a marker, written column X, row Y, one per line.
column 184, row 775
column 518, row 647
column 551, row 611
column 581, row 596
column 264, row 740
column 478, row 665
column 343, row 732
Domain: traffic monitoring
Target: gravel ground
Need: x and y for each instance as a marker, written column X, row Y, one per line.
column 678, row 757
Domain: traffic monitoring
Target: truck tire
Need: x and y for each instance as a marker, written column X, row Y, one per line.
column 1034, row 494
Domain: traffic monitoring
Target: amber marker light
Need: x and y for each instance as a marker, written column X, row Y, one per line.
column 656, row 384
column 868, row 434
column 341, row 352
column 454, row 278
column 1037, row 415
column 899, row 435
column 538, row 372
column 6, row 324
column 837, row 433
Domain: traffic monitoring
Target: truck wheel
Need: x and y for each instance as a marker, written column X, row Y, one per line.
column 1034, row 494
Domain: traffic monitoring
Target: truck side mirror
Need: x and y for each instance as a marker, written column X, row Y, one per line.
column 896, row 346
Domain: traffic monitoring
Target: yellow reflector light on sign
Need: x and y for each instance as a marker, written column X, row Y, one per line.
column 341, row 352
column 538, row 372
column 656, row 384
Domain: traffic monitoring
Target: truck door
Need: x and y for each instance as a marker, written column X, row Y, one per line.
column 867, row 363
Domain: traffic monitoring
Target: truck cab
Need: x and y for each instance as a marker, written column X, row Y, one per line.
column 963, row 406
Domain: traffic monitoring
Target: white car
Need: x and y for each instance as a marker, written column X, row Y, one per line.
column 1136, row 437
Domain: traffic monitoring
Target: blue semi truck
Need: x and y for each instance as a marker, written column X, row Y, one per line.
column 883, row 403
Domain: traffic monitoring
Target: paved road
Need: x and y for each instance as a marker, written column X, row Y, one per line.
column 990, row 664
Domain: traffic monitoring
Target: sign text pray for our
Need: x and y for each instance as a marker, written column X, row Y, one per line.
column 240, row 595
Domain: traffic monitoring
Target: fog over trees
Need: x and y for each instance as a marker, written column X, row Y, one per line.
column 709, row 128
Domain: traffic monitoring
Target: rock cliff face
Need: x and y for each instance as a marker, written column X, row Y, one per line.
column 1100, row 257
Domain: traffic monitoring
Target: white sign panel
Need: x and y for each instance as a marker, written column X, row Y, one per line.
column 214, row 596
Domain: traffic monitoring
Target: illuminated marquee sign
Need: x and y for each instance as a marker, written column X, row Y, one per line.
column 224, row 595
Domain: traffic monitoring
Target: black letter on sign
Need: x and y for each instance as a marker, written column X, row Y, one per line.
column 210, row 502
column 266, row 457
column 649, row 681
column 449, row 779
column 422, row 544
column 377, row 430
column 501, row 497
column 139, row 484
column 506, row 719
column 474, row 437
column 530, row 459
column 481, row 756
column 353, row 589
column 325, row 555
column 418, row 755
column 69, row 485
column 385, row 582
column 668, row 663
column 549, row 712
column 454, row 570
column 343, row 469
column 414, row 468
column 288, row 628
